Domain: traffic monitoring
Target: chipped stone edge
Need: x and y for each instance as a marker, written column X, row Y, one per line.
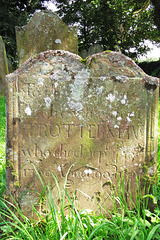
column 152, row 80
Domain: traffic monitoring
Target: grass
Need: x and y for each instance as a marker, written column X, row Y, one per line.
column 137, row 222
column 2, row 144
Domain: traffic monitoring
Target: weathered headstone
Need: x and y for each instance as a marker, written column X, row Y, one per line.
column 95, row 48
column 45, row 31
column 3, row 67
column 100, row 116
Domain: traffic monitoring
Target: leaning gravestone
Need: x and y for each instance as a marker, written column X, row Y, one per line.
column 45, row 31
column 3, row 67
column 99, row 118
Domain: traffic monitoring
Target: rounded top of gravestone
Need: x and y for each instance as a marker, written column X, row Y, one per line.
column 45, row 31
column 77, row 82
column 119, row 67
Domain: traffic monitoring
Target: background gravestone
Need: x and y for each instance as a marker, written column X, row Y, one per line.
column 3, row 67
column 95, row 48
column 102, row 117
column 45, row 31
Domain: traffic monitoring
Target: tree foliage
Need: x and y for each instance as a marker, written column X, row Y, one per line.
column 15, row 13
column 156, row 4
column 114, row 24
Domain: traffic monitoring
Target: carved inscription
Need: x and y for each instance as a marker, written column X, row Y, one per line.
column 92, row 131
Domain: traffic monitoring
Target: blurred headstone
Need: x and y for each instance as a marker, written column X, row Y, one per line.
column 95, row 48
column 45, row 31
column 3, row 67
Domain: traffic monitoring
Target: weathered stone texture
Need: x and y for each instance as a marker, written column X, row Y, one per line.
column 100, row 116
column 3, row 67
column 45, row 31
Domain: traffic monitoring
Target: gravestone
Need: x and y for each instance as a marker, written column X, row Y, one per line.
column 45, row 31
column 3, row 67
column 90, row 122
column 95, row 48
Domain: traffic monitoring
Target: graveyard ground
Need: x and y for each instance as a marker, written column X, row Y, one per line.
column 138, row 223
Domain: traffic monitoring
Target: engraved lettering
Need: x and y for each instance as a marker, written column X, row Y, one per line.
column 109, row 133
column 38, row 153
column 68, row 126
column 54, row 130
column 101, row 131
column 43, row 130
column 26, row 153
column 28, row 171
column 92, row 133
column 47, row 173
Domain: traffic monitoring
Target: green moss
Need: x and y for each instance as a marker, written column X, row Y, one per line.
column 108, row 51
column 9, row 164
column 14, row 173
column 84, row 61
column 146, row 178
column 107, row 183
column 17, row 184
column 146, row 165
column 140, row 147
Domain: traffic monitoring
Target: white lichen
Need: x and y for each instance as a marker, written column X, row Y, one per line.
column 119, row 118
column 88, row 171
column 111, row 97
column 80, row 82
column 77, row 106
column 58, row 41
column 125, row 96
column 59, row 168
column 99, row 90
column 28, row 111
column 56, row 84
column 123, row 101
column 40, row 81
column 114, row 113
column 47, row 101
column 102, row 78
column 61, row 75
column 132, row 114
column 128, row 119
column 122, row 78
column 151, row 170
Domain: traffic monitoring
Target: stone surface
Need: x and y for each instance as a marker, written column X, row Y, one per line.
column 45, row 31
column 3, row 67
column 92, row 121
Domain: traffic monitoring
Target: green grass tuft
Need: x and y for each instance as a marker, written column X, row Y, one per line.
column 136, row 223
column 2, row 144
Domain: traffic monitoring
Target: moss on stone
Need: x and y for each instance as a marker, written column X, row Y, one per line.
column 84, row 61
column 17, row 184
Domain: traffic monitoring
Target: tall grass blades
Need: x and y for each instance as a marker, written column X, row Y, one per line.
column 2, row 144
column 125, row 223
